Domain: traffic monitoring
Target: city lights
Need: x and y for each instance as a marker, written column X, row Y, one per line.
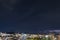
column 16, row 36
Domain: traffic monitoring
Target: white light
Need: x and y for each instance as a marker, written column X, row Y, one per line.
column 24, row 34
column 46, row 36
column 55, row 38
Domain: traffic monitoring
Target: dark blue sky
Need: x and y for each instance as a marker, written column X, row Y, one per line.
column 29, row 15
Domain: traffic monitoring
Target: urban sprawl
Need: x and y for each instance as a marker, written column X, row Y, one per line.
column 22, row 36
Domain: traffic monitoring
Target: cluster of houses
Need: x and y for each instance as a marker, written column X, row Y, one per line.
column 30, row 36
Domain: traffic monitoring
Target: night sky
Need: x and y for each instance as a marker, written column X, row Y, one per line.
column 29, row 15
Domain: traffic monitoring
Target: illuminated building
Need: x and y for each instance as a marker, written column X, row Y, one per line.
column 58, row 37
